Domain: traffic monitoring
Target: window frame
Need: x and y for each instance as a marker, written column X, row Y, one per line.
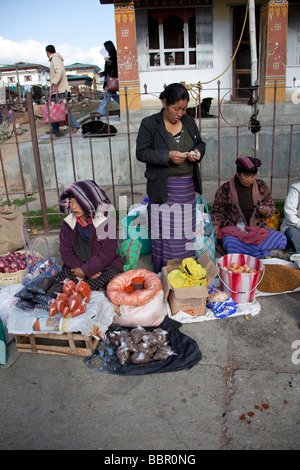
column 162, row 51
column 204, row 39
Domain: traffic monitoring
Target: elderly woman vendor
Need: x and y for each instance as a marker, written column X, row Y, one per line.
column 240, row 211
column 88, row 240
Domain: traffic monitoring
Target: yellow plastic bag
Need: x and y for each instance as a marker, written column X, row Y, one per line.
column 189, row 274
column 273, row 222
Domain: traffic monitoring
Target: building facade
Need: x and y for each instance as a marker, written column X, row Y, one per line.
column 84, row 79
column 22, row 77
column 191, row 41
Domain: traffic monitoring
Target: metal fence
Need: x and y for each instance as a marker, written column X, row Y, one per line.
column 245, row 118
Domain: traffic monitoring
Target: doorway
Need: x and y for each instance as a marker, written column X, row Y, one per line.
column 241, row 66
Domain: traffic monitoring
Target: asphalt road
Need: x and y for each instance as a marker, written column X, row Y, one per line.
column 243, row 394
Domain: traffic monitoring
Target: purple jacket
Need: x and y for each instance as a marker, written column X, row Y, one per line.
column 103, row 249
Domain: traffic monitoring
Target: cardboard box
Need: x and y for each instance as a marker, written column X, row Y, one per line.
column 191, row 300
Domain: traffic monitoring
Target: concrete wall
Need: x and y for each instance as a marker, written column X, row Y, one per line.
column 121, row 157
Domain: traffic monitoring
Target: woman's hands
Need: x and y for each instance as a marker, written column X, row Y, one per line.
column 178, row 157
column 194, row 155
column 96, row 275
column 216, row 228
column 264, row 211
column 80, row 274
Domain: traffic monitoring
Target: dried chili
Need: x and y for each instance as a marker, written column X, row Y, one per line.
column 61, row 300
column 137, row 280
column 68, row 286
column 79, row 309
column 52, row 308
column 129, row 289
column 74, row 300
column 83, row 289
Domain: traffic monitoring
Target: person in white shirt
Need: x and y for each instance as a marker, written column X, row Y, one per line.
column 291, row 222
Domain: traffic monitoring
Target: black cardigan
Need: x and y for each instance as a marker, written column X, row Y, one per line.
column 152, row 148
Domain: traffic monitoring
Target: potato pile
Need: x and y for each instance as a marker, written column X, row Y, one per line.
column 140, row 346
column 244, row 268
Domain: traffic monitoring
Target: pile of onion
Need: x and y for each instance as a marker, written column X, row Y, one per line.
column 14, row 261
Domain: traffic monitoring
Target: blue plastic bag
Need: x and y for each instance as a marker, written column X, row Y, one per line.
column 222, row 309
column 3, row 347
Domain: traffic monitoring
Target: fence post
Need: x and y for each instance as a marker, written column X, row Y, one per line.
column 37, row 161
column 273, row 135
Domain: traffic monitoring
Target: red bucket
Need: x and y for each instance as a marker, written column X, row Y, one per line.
column 240, row 286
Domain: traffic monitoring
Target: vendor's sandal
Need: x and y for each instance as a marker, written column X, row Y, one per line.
column 74, row 130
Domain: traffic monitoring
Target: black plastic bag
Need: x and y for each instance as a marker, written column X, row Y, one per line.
column 25, row 304
column 187, row 354
column 24, row 294
column 42, row 300
column 55, row 289
column 41, row 284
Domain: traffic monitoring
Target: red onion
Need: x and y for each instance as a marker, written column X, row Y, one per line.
column 14, row 261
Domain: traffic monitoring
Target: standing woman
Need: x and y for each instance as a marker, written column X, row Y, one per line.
column 110, row 69
column 170, row 145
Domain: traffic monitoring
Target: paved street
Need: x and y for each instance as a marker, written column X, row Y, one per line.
column 243, row 394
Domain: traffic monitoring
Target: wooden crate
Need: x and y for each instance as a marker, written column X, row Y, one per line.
column 65, row 344
column 22, row 118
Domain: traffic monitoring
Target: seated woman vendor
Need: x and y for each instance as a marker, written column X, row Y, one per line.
column 239, row 213
column 88, row 240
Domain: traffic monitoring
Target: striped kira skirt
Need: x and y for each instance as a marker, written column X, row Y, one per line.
column 172, row 224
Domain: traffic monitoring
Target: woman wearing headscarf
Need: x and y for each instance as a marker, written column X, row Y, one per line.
column 240, row 211
column 88, row 241
column 110, row 70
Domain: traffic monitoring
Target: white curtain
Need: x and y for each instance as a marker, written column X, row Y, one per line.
column 293, row 37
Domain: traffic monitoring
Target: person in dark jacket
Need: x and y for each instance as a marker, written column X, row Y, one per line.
column 88, row 240
column 170, row 145
column 110, row 69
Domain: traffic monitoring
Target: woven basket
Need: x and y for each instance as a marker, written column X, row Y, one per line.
column 6, row 279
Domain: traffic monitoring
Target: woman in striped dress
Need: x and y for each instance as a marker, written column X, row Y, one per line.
column 240, row 211
column 170, row 145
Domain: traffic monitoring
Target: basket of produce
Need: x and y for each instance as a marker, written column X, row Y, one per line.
column 13, row 267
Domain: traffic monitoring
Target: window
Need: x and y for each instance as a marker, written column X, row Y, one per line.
column 11, row 79
column 293, row 37
column 27, row 78
column 172, row 37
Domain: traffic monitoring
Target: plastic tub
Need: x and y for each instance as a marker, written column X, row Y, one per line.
column 240, row 286
column 137, row 233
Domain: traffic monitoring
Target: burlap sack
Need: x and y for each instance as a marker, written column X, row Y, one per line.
column 11, row 222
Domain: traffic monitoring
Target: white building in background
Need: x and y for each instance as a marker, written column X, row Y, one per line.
column 26, row 74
